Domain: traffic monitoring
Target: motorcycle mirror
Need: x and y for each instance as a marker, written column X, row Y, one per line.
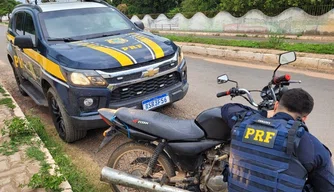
column 222, row 79
column 286, row 58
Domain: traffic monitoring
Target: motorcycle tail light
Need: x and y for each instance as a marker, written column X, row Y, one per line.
column 106, row 120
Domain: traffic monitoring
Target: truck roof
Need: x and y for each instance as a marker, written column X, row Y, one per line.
column 57, row 6
column 46, row 7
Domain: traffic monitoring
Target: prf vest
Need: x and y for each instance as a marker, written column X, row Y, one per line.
column 262, row 156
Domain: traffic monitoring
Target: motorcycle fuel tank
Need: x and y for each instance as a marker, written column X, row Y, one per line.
column 211, row 122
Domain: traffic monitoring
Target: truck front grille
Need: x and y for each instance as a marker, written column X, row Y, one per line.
column 145, row 87
column 138, row 75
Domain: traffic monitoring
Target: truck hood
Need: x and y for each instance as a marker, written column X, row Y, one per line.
column 112, row 52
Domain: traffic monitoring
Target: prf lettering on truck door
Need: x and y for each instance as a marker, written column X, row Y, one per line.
column 260, row 136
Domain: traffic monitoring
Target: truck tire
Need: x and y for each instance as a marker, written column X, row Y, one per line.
column 61, row 120
column 18, row 80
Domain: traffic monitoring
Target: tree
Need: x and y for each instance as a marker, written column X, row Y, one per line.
column 116, row 2
column 150, row 6
column 6, row 7
column 269, row 7
column 200, row 5
column 109, row 2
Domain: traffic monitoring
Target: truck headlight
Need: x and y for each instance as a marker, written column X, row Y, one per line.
column 79, row 79
column 86, row 78
column 180, row 56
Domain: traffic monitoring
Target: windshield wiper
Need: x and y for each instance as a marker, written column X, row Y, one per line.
column 110, row 34
column 66, row 39
column 104, row 35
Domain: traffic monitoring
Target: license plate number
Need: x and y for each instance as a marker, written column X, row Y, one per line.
column 155, row 102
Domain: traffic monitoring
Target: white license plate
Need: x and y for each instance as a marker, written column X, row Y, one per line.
column 155, row 102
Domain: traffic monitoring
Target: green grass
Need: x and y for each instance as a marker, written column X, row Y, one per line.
column 76, row 178
column 274, row 42
column 43, row 179
column 8, row 102
column 19, row 132
column 35, row 153
column 2, row 91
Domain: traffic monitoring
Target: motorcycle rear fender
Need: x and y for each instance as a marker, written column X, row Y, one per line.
column 107, row 115
column 131, row 132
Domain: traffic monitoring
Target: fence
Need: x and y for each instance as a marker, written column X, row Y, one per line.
column 291, row 21
column 311, row 10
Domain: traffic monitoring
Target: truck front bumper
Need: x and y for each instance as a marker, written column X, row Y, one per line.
column 176, row 93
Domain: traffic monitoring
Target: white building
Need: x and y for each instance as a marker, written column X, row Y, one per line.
column 4, row 18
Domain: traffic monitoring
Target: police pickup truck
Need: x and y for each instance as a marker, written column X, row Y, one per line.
column 77, row 57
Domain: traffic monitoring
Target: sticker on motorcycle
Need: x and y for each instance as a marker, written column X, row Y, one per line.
column 140, row 122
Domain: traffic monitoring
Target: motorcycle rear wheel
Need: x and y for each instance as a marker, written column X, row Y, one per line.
column 133, row 158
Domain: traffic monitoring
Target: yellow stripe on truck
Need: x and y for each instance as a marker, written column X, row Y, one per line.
column 47, row 64
column 10, row 37
column 158, row 52
column 120, row 57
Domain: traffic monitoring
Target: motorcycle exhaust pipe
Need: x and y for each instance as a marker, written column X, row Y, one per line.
column 116, row 177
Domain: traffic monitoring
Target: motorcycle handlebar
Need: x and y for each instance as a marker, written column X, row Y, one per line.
column 222, row 94
column 237, row 92
column 278, row 80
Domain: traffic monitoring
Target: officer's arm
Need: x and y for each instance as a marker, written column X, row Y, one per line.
column 317, row 160
column 322, row 179
column 230, row 110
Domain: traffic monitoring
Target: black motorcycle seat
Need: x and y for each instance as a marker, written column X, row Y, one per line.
column 160, row 125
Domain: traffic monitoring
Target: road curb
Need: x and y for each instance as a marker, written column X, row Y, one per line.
column 65, row 186
column 314, row 62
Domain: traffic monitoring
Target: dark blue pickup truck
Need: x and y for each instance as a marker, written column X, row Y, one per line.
column 77, row 57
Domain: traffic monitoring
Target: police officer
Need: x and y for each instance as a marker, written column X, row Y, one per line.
column 277, row 153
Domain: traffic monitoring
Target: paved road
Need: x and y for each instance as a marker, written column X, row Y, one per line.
column 201, row 96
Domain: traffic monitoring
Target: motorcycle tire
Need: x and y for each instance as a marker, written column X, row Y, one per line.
column 163, row 161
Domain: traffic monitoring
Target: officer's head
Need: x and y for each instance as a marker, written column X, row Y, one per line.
column 296, row 102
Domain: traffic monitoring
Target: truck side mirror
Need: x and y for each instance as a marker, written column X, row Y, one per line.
column 140, row 25
column 24, row 42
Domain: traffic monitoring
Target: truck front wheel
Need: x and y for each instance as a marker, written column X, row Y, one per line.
column 62, row 121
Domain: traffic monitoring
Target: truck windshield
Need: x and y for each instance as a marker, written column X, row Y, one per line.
column 83, row 23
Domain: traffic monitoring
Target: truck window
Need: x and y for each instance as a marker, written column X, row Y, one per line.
column 19, row 21
column 30, row 28
column 82, row 22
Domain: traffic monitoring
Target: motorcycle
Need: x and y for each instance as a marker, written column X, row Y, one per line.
column 168, row 154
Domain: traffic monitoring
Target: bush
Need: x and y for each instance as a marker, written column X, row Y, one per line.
column 275, row 40
column 123, row 8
